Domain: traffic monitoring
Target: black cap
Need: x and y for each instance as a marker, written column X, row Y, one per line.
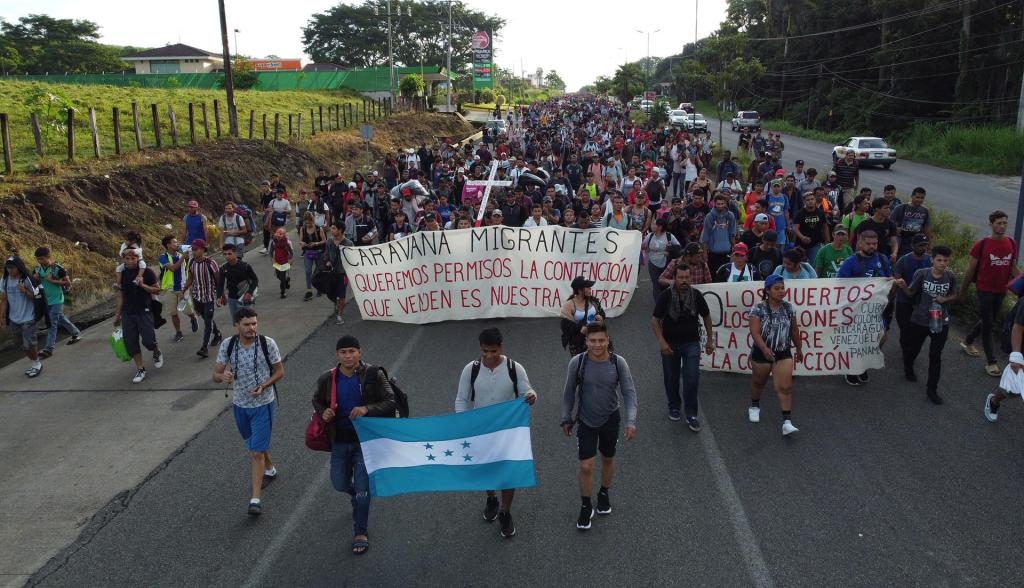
column 919, row 239
column 430, row 216
column 579, row 282
column 347, row 341
column 799, row 162
column 692, row 248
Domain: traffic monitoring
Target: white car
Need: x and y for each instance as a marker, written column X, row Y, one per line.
column 686, row 107
column 696, row 122
column 646, row 105
column 869, row 151
column 677, row 118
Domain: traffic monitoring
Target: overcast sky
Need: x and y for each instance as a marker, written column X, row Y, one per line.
column 580, row 40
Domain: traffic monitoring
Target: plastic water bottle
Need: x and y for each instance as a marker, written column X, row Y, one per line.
column 935, row 322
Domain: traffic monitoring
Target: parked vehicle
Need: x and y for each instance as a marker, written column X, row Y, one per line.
column 696, row 122
column 677, row 118
column 869, row 150
column 686, row 107
column 749, row 119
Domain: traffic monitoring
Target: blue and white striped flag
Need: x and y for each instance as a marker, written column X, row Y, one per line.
column 482, row 449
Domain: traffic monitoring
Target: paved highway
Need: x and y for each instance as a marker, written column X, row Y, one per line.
column 971, row 197
column 878, row 488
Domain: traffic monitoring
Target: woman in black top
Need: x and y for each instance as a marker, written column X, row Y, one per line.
column 313, row 241
column 773, row 326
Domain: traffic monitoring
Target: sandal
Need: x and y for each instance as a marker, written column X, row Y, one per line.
column 360, row 546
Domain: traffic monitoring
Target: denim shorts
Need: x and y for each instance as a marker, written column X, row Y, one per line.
column 26, row 333
column 255, row 424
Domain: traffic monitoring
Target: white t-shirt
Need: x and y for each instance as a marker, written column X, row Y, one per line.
column 234, row 224
column 532, row 224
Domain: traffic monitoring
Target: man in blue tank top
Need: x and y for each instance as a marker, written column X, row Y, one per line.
column 195, row 223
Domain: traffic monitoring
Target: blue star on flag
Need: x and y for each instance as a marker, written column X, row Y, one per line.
column 428, row 446
column 430, row 457
column 448, row 452
column 466, row 444
column 467, row 457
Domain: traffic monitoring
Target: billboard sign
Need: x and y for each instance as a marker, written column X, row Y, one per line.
column 482, row 44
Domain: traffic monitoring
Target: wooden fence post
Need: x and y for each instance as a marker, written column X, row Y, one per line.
column 38, row 136
column 174, row 125
column 206, row 124
column 216, row 116
column 312, row 122
column 290, row 129
column 95, row 133
column 264, row 126
column 277, row 126
column 298, row 126
column 117, row 131
column 344, row 115
column 337, row 118
column 156, row 125
column 192, row 123
column 322, row 118
column 138, row 128
column 252, row 122
column 5, row 132
column 71, row 134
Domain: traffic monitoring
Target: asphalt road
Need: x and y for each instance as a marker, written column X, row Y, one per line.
column 878, row 488
column 971, row 197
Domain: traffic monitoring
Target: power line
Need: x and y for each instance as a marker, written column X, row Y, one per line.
column 918, row 100
column 881, row 21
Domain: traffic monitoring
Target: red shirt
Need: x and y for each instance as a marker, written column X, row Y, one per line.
column 996, row 258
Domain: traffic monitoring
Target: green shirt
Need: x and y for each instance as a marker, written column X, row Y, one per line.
column 828, row 260
column 853, row 220
column 54, row 292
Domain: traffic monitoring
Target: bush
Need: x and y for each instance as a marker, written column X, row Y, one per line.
column 411, row 85
column 486, row 96
column 499, row 100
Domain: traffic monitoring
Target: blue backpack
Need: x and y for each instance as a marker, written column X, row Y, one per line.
column 247, row 216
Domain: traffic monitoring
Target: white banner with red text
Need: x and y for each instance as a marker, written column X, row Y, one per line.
column 490, row 272
column 840, row 324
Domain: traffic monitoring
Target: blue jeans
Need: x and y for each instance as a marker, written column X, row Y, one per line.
column 309, row 264
column 57, row 319
column 348, row 475
column 685, row 361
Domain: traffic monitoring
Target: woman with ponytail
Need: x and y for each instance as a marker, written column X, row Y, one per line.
column 776, row 351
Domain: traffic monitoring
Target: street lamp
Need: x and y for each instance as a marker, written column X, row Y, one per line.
column 391, row 53
column 236, row 42
column 647, row 65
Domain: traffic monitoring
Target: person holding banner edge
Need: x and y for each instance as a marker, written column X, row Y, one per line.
column 775, row 331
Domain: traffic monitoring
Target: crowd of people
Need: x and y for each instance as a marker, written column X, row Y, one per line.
column 574, row 162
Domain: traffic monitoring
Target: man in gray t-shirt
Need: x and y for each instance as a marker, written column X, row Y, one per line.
column 595, row 380
column 17, row 310
column 912, row 219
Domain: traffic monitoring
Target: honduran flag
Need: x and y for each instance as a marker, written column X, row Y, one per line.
column 482, row 449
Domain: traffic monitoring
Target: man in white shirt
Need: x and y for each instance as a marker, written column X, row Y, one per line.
column 536, row 218
column 233, row 229
column 486, row 381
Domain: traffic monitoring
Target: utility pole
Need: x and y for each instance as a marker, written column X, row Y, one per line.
column 647, row 64
column 236, row 41
column 391, row 57
column 450, row 56
column 229, row 81
column 1020, row 107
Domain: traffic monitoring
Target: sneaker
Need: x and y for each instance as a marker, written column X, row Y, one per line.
column 754, row 414
column 693, row 423
column 586, row 513
column 308, row 296
column 255, row 508
column 158, row 359
column 178, row 337
column 33, row 371
column 933, row 395
column 271, row 473
column 969, row 349
column 139, row 376
column 338, row 320
column 45, row 353
column 507, row 528
column 604, row 504
column 491, row 509
column 283, row 295
column 217, row 338
column 863, row 378
column 262, row 251
column 788, row 428
column 75, row 339
column 195, row 323
column 909, row 374
column 203, row 353
column 852, row 380
column 992, row 369
column 989, row 415
column 673, row 414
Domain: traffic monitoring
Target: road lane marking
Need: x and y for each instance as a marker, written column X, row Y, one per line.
column 308, row 500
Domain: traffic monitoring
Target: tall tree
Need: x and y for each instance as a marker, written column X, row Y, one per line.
column 627, row 82
column 553, row 81
column 44, row 44
column 357, row 35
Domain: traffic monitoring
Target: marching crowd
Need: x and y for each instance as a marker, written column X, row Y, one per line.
column 575, row 162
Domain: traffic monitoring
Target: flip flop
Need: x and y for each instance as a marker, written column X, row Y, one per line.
column 360, row 546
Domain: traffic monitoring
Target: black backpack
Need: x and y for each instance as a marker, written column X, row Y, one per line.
column 579, row 379
column 401, row 398
column 512, row 374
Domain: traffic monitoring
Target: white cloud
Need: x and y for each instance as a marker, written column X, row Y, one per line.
column 580, row 40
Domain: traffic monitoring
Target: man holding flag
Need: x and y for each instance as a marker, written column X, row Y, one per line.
column 489, row 380
column 352, row 390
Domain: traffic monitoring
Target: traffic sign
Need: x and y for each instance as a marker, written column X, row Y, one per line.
column 366, row 132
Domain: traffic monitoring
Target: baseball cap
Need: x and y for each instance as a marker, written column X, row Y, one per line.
column 374, row 173
column 772, row 280
column 351, row 184
column 692, row 248
column 780, row 172
column 548, row 199
column 265, row 183
column 406, row 192
column 919, row 239
column 740, row 248
column 497, row 212
column 841, row 229
column 761, row 218
column 799, row 162
column 193, row 204
column 430, row 216
column 580, row 282
column 831, row 173
column 199, row 244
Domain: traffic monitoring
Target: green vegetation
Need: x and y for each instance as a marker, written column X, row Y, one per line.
column 49, row 101
column 411, row 85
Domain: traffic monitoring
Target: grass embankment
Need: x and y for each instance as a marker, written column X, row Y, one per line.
column 103, row 99
column 975, row 149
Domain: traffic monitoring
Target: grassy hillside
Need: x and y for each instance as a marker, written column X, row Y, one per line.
column 16, row 99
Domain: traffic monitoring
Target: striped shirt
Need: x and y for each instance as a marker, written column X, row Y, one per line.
column 204, row 279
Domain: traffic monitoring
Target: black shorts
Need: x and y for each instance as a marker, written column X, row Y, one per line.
column 757, row 357
column 590, row 439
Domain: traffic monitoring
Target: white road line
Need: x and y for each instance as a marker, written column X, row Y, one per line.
column 306, row 503
column 749, row 549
